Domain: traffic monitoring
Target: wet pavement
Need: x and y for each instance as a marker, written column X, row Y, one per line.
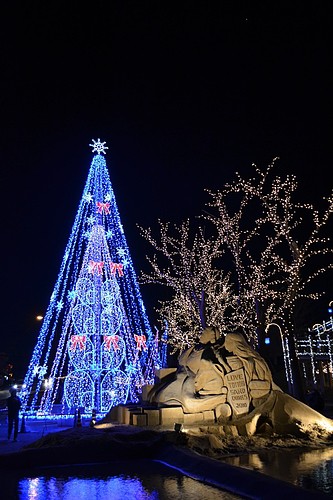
column 29, row 432
column 241, row 482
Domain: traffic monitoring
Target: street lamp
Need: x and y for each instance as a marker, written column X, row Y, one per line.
column 286, row 357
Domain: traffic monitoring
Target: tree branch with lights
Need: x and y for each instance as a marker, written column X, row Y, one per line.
column 274, row 241
column 200, row 293
column 263, row 257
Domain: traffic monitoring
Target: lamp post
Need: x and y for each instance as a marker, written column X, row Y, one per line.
column 286, row 356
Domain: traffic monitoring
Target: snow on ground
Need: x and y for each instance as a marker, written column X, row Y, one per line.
column 107, row 441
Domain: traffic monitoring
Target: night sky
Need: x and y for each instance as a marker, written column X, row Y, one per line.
column 184, row 93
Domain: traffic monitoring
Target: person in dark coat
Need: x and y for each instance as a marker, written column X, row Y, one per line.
column 13, row 405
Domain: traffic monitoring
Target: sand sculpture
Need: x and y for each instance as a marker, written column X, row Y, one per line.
column 224, row 374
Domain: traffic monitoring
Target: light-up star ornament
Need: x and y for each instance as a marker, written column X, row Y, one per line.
column 88, row 197
column 98, row 146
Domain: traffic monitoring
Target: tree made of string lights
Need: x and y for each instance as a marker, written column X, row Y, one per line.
column 95, row 349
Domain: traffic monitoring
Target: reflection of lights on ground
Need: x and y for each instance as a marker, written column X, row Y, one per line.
column 106, row 425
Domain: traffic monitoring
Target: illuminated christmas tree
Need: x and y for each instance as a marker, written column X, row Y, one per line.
column 95, row 348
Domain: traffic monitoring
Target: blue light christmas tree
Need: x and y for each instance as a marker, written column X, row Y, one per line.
column 95, row 349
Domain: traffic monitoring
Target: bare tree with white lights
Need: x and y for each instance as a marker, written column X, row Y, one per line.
column 200, row 293
column 278, row 247
column 262, row 261
column 273, row 240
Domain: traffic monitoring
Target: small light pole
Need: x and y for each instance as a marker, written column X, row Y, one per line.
column 286, row 357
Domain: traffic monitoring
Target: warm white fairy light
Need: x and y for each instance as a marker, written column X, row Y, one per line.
column 268, row 242
column 199, row 292
column 272, row 239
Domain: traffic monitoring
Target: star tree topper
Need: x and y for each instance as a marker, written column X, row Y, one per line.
column 98, row 146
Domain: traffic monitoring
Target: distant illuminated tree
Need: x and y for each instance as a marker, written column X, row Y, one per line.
column 95, row 348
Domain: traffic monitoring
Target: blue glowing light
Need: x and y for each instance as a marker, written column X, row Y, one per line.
column 95, row 342
column 267, row 340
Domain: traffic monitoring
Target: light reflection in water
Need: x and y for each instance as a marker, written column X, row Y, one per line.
column 84, row 488
column 140, row 480
column 311, row 469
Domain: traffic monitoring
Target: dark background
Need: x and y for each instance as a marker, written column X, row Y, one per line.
column 184, row 93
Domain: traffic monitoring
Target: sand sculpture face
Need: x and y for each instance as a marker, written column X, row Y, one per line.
column 209, row 335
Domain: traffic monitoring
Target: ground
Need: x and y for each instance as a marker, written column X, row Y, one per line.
column 190, row 452
column 102, row 441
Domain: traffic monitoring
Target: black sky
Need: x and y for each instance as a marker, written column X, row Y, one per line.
column 184, row 93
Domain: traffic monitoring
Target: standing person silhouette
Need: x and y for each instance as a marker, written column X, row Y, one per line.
column 13, row 405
